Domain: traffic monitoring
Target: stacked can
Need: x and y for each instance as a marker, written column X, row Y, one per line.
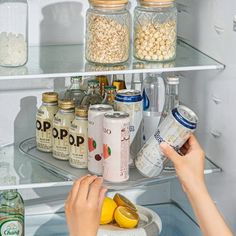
column 95, row 132
column 116, row 137
column 130, row 101
column 175, row 129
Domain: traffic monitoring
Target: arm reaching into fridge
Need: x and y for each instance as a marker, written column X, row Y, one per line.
column 83, row 206
column 190, row 171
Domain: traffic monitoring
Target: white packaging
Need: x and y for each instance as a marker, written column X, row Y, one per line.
column 116, row 137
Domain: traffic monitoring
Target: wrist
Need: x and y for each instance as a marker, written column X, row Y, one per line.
column 196, row 189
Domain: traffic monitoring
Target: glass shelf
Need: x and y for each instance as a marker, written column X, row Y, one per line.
column 35, row 169
column 69, row 60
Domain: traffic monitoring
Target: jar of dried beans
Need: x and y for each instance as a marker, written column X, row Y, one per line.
column 108, row 31
column 155, row 30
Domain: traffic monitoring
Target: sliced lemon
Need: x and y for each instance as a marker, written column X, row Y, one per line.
column 123, row 201
column 126, row 218
column 108, row 209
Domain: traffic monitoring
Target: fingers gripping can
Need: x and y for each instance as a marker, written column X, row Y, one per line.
column 175, row 129
column 95, row 132
column 116, row 137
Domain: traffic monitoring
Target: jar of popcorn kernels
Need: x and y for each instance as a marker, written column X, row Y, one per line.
column 155, row 30
column 108, row 32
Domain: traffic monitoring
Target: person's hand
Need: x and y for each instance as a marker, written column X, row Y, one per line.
column 83, row 206
column 190, row 166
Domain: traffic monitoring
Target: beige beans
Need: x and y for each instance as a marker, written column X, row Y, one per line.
column 155, row 41
column 107, row 40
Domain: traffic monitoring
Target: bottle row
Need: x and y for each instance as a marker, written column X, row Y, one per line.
column 107, row 139
column 108, row 31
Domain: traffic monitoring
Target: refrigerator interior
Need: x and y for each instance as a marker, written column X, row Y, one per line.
column 208, row 26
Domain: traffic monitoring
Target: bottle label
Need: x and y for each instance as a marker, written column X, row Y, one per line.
column 12, row 226
column 44, row 119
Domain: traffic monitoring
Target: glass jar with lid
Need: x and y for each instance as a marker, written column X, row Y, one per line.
column 13, row 32
column 155, row 30
column 108, row 32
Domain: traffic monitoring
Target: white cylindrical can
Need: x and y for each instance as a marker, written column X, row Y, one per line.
column 116, row 141
column 131, row 101
column 175, row 129
column 95, row 133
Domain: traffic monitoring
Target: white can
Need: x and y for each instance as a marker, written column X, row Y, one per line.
column 175, row 129
column 131, row 101
column 95, row 133
column 78, row 138
column 60, row 133
column 116, row 141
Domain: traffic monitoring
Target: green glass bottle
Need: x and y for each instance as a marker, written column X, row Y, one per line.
column 11, row 213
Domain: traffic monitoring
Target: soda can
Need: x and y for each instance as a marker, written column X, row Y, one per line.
column 116, row 137
column 175, row 129
column 95, row 142
column 130, row 101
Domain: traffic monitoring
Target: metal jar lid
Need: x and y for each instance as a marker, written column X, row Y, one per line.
column 108, row 3
column 50, row 97
column 160, row 3
column 81, row 111
column 66, row 104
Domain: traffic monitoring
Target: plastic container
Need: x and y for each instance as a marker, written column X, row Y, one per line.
column 13, row 32
column 155, row 30
column 108, row 32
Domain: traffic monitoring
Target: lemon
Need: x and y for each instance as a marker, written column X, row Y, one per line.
column 123, row 201
column 108, row 208
column 125, row 217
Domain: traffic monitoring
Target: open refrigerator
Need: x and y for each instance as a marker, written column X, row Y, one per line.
column 206, row 65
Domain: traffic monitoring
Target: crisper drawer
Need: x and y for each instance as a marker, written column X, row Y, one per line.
column 175, row 223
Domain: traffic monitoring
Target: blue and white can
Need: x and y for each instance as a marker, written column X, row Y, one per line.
column 131, row 101
column 175, row 129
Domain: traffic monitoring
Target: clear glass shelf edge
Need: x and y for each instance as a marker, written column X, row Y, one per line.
column 69, row 60
column 35, row 169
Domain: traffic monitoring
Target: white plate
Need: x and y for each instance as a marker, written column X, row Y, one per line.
column 150, row 225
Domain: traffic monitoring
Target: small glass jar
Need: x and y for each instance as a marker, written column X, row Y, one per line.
column 155, row 30
column 13, row 32
column 108, row 32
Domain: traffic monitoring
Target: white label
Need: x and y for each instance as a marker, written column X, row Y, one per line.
column 78, row 140
column 116, row 137
column 135, row 111
column 44, row 119
column 13, row 228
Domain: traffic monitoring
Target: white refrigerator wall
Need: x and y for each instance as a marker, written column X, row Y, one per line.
column 208, row 25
